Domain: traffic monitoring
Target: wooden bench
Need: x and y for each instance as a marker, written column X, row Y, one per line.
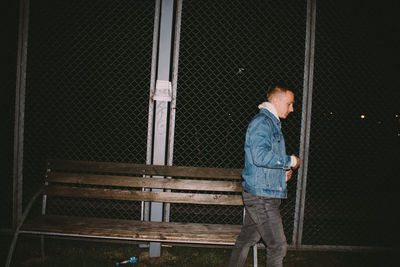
column 136, row 182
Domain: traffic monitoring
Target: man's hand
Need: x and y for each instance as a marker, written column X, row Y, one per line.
column 289, row 175
column 298, row 162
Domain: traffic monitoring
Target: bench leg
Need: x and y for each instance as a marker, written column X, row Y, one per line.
column 11, row 250
column 255, row 256
column 42, row 247
column 155, row 249
column 16, row 233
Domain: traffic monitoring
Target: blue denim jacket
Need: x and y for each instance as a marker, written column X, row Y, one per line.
column 266, row 161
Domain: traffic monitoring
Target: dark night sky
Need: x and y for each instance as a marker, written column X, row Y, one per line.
column 379, row 23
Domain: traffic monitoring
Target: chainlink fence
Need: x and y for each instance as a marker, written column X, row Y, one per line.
column 230, row 51
column 8, row 55
column 87, row 98
column 352, row 138
column 87, row 89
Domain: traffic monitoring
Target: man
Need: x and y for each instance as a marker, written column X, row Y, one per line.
column 266, row 171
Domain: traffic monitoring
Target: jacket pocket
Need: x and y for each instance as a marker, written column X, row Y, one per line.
column 272, row 179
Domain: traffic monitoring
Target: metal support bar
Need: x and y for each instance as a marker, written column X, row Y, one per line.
column 255, row 255
column 305, row 122
column 20, row 111
column 161, row 107
column 174, row 82
column 16, row 233
column 171, row 128
column 145, row 207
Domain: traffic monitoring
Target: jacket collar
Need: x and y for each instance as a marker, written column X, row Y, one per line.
column 272, row 116
column 269, row 107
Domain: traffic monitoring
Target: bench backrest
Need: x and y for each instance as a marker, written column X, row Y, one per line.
column 125, row 181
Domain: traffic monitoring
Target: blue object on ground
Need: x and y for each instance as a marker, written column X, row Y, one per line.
column 131, row 260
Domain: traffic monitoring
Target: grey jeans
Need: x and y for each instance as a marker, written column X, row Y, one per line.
column 262, row 220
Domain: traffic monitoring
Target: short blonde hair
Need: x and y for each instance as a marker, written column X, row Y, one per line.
column 275, row 89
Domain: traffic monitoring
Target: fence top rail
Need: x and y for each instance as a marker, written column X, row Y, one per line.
column 143, row 169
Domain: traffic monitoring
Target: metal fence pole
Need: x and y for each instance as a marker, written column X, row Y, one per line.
column 161, row 106
column 145, row 209
column 305, row 122
column 171, row 128
column 20, row 110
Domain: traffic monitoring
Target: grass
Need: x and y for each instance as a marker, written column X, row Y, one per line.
column 66, row 252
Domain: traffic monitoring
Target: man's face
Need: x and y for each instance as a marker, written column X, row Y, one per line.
column 283, row 103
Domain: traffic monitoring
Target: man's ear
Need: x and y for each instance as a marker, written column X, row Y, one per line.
column 274, row 99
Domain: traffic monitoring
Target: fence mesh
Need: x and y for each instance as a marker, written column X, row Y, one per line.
column 352, row 139
column 88, row 82
column 8, row 55
column 230, row 51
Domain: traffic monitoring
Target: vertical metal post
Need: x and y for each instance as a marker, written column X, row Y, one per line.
column 305, row 122
column 145, row 208
column 20, row 110
column 161, row 107
column 175, row 63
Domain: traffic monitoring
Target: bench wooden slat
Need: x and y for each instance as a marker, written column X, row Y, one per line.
column 169, row 197
column 142, row 169
column 134, row 230
column 124, row 181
